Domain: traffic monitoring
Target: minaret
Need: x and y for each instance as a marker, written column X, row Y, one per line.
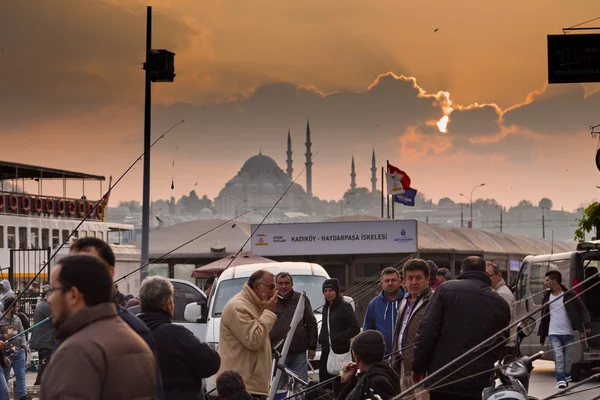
column 289, row 170
column 308, row 162
column 353, row 176
column 373, row 173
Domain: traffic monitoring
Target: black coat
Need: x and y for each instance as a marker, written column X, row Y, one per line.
column 344, row 326
column 380, row 379
column 305, row 336
column 184, row 360
column 462, row 313
column 576, row 310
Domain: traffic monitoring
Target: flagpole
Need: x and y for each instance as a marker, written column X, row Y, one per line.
column 387, row 162
column 393, row 204
column 381, row 192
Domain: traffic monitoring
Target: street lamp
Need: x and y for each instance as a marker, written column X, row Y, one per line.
column 501, row 210
column 471, row 200
column 544, row 223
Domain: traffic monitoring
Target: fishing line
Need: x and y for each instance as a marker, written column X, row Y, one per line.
column 493, row 369
column 563, row 392
column 486, row 342
column 85, row 218
column 271, row 210
column 501, row 343
column 173, row 173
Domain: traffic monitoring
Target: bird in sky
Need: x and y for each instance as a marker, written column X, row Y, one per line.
column 436, row 29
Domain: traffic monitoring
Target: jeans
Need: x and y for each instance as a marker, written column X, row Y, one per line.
column 3, row 388
column 18, row 365
column 297, row 362
column 563, row 355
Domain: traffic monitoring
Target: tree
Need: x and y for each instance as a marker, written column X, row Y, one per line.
column 525, row 204
column 445, row 202
column 590, row 220
column 360, row 199
column 545, row 203
column 133, row 205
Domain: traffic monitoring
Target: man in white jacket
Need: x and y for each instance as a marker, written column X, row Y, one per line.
column 498, row 284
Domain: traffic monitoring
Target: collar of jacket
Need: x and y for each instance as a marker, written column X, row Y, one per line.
column 475, row 275
column 252, row 297
column 292, row 296
column 424, row 294
column 500, row 284
column 400, row 296
column 85, row 317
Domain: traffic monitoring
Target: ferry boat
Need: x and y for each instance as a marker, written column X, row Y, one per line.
column 34, row 225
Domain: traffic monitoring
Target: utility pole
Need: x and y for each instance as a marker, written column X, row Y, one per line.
column 501, row 219
column 471, row 201
column 159, row 67
column 461, row 215
column 543, row 224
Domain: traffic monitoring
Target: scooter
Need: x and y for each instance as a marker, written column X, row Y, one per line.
column 511, row 374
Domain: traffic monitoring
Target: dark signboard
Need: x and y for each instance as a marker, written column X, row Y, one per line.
column 573, row 58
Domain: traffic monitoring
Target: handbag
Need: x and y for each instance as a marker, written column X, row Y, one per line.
column 335, row 362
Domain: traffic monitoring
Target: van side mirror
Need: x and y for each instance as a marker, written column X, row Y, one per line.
column 194, row 312
column 527, row 326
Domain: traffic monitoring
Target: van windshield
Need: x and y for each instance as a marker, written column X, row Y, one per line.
column 311, row 284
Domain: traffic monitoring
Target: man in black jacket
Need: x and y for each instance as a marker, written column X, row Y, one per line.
column 376, row 377
column 462, row 313
column 305, row 336
column 184, row 360
column 565, row 314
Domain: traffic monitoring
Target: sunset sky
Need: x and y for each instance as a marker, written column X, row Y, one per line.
column 367, row 74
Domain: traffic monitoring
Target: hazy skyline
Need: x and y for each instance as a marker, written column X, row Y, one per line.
column 368, row 74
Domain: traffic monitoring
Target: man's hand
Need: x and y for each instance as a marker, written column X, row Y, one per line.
column 311, row 354
column 270, row 304
column 348, row 371
column 2, row 345
column 417, row 377
column 588, row 330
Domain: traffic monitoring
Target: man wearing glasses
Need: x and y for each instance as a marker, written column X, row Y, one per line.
column 246, row 321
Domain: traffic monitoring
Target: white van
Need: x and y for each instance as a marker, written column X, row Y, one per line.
column 202, row 316
column 529, row 292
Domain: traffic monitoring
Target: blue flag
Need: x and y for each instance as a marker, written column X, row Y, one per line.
column 407, row 198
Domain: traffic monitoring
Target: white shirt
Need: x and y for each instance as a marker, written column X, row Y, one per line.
column 559, row 319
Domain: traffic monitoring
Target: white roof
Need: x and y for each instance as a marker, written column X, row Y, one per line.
column 294, row 268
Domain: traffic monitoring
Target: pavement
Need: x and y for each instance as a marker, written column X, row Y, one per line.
column 543, row 381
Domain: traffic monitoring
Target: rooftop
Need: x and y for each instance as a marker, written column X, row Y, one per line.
column 10, row 170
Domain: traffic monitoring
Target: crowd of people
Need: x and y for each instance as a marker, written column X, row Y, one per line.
column 101, row 344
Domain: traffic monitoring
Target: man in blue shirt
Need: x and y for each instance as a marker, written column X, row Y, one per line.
column 383, row 309
column 101, row 249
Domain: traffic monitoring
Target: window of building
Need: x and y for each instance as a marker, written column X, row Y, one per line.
column 65, row 235
column 11, row 237
column 35, row 238
column 1, row 236
column 55, row 238
column 45, row 238
column 22, row 237
column 93, row 234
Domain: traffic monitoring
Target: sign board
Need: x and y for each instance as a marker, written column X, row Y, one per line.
column 330, row 238
column 573, row 58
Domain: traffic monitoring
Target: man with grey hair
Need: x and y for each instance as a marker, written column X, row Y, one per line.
column 493, row 271
column 247, row 319
column 184, row 360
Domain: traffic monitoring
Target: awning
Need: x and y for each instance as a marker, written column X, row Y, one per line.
column 217, row 267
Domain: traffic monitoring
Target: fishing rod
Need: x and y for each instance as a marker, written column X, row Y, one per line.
column 501, row 343
column 480, row 345
column 85, row 218
column 154, row 261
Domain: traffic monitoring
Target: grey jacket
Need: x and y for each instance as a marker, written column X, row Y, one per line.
column 5, row 323
column 44, row 334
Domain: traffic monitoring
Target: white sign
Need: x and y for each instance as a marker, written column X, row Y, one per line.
column 325, row 238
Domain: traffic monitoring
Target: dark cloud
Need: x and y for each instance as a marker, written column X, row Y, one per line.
column 86, row 56
column 475, row 121
column 560, row 110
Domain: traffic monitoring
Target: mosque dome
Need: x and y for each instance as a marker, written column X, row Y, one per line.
column 259, row 165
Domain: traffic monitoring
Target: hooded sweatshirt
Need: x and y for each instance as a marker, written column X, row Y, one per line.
column 379, row 380
column 381, row 316
column 6, row 292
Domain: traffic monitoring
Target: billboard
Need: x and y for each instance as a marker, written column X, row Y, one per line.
column 573, row 58
column 332, row 238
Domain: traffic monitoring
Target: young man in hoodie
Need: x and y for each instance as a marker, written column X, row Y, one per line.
column 383, row 309
column 376, row 377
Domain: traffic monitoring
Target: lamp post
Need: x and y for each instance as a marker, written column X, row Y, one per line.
column 159, row 67
column 501, row 211
column 471, row 201
column 544, row 223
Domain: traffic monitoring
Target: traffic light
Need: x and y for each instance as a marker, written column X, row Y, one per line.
column 161, row 65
